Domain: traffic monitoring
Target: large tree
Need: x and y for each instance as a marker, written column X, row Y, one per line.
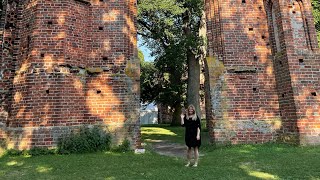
column 193, row 23
column 162, row 82
column 171, row 30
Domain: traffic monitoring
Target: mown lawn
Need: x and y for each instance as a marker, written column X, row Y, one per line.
column 270, row 161
column 172, row 134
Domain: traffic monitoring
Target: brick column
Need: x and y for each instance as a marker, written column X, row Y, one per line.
column 76, row 65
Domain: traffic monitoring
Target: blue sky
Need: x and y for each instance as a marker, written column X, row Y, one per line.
column 146, row 52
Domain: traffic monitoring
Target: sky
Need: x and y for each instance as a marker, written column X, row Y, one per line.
column 146, row 52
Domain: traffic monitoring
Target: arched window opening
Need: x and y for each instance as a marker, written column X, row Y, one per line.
column 273, row 24
column 300, row 26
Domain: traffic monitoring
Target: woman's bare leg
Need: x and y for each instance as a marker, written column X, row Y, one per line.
column 196, row 156
column 189, row 154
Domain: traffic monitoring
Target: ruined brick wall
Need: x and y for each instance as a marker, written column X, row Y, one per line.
column 74, row 64
column 297, row 63
column 8, row 34
column 257, row 89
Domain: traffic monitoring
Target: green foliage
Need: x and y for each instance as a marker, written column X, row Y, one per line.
column 149, row 82
column 316, row 14
column 3, row 143
column 123, row 147
column 158, row 20
column 34, row 151
column 140, row 56
column 162, row 26
column 86, row 140
column 15, row 152
column 292, row 139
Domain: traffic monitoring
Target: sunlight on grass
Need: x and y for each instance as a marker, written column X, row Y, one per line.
column 157, row 131
column 27, row 156
column 244, row 151
column 43, row 169
column 258, row 174
column 2, row 151
column 262, row 175
column 14, row 163
column 110, row 178
column 247, row 149
column 279, row 149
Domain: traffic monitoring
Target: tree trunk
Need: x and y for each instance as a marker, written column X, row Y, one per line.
column 176, row 116
column 193, row 87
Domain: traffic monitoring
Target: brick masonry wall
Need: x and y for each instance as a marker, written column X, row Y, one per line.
column 9, row 21
column 282, row 71
column 263, row 80
column 244, row 103
column 76, row 65
column 302, row 56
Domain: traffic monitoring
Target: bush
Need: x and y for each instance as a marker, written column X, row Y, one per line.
column 86, row 140
column 123, row 147
column 36, row 151
column 14, row 152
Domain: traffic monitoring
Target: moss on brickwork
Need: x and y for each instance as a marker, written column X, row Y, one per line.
column 219, row 99
column 278, row 54
column 242, row 69
column 94, row 70
column 132, row 70
column 288, row 138
column 216, row 68
column 275, row 123
column 218, row 87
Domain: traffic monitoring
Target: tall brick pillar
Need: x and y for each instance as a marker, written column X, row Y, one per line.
column 262, row 76
column 297, row 62
column 74, row 63
column 243, row 102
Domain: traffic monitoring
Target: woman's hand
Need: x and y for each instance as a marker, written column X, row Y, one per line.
column 182, row 117
column 198, row 137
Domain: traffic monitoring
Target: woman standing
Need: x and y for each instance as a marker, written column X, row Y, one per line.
column 191, row 122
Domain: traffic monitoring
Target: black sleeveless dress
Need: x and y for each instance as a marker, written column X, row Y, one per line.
column 191, row 127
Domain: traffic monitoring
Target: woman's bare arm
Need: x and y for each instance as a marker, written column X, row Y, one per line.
column 198, row 129
column 198, row 133
column 182, row 119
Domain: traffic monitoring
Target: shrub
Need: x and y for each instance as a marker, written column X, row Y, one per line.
column 123, row 147
column 14, row 152
column 86, row 140
column 36, row 151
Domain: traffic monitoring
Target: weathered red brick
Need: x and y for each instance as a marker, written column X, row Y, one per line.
column 53, row 46
column 263, row 75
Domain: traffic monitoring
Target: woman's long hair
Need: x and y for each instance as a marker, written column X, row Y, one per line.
column 193, row 116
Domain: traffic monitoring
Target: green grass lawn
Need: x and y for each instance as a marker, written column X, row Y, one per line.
column 269, row 161
column 169, row 133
